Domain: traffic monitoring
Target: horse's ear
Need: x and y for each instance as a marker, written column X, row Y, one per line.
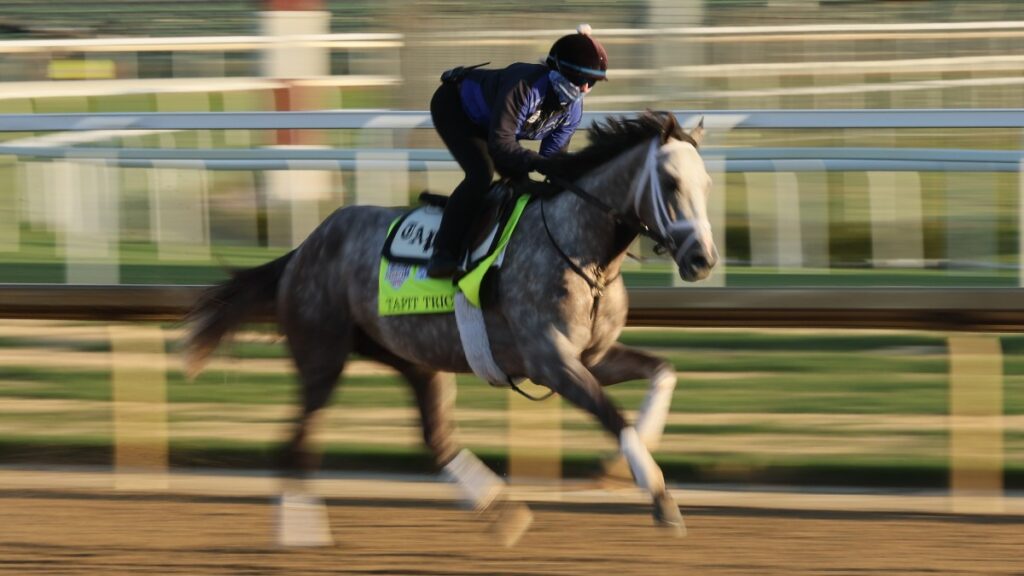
column 671, row 128
column 698, row 133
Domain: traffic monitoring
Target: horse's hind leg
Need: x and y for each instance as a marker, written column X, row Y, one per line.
column 320, row 357
column 478, row 484
column 480, row 487
column 319, row 353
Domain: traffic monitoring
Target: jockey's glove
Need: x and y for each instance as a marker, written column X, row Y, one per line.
column 547, row 167
column 537, row 189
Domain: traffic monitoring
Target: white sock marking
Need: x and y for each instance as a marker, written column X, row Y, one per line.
column 477, row 483
column 650, row 423
column 646, row 471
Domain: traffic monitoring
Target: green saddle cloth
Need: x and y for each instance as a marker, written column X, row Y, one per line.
column 406, row 288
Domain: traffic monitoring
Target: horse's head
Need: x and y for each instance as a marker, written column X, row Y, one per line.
column 671, row 198
column 665, row 181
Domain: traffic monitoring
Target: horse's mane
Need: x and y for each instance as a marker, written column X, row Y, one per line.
column 615, row 135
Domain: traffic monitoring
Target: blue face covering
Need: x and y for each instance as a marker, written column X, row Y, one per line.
column 567, row 92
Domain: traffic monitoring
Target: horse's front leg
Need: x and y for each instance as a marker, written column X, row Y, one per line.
column 622, row 363
column 479, row 487
column 563, row 372
column 477, row 484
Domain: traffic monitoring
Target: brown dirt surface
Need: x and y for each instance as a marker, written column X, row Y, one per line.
column 70, row 534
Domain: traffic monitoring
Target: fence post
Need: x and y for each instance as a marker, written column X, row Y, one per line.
column 896, row 231
column 976, row 424
column 91, row 233
column 534, row 437
column 138, row 369
column 10, row 205
column 179, row 204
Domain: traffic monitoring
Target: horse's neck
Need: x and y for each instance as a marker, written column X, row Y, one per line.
column 614, row 181
column 586, row 232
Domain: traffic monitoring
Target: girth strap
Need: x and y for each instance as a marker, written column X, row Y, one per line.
column 473, row 334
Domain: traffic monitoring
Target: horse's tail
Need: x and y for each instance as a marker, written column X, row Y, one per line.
column 221, row 309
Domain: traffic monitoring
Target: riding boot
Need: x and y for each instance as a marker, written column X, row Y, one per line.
column 444, row 262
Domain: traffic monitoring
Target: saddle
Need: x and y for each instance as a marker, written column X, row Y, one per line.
column 404, row 288
column 411, row 239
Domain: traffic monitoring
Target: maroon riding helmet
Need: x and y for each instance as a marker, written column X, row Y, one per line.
column 579, row 57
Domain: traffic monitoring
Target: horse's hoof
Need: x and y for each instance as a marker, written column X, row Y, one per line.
column 302, row 521
column 667, row 515
column 510, row 522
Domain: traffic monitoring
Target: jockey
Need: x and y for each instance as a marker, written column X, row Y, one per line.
column 482, row 114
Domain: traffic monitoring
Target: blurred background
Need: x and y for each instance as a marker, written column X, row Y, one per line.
column 849, row 194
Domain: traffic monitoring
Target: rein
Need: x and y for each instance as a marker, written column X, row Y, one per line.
column 597, row 286
column 631, row 224
column 529, row 396
column 663, row 241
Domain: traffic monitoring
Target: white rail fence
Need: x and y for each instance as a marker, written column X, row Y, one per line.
column 717, row 69
column 69, row 181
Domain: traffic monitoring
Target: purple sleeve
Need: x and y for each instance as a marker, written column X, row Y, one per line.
column 507, row 117
column 558, row 140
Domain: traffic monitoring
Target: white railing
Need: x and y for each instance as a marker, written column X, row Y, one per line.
column 837, row 78
column 200, row 43
column 758, row 159
column 787, row 230
column 400, row 119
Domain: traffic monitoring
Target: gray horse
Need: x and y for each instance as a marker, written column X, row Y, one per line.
column 556, row 309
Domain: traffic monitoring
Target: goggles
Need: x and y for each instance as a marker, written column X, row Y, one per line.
column 575, row 74
column 581, row 81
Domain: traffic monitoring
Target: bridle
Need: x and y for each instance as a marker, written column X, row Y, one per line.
column 646, row 189
column 661, row 232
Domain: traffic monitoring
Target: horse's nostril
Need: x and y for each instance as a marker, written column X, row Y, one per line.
column 699, row 261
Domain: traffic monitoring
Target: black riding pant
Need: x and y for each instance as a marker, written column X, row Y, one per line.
column 468, row 144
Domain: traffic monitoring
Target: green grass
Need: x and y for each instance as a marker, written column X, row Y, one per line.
column 739, row 340
column 875, row 378
column 43, row 383
column 900, row 373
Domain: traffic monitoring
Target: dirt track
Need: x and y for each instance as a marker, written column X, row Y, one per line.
column 52, row 533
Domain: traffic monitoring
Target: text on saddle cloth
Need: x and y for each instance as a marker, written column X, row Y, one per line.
column 403, row 284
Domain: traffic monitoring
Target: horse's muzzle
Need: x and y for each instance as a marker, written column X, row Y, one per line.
column 695, row 263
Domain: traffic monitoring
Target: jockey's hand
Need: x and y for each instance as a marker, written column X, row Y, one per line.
column 525, row 185
column 548, row 167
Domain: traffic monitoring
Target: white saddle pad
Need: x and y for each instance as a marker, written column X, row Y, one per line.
column 411, row 241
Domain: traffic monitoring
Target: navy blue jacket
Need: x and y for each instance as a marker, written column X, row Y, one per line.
column 514, row 104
